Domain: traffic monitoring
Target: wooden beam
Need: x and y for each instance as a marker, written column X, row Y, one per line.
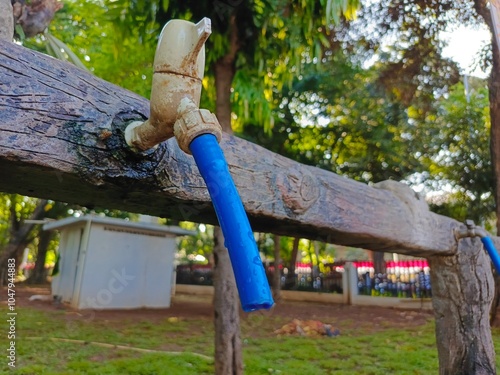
column 61, row 137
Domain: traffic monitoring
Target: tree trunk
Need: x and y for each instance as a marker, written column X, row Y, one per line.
column 20, row 238
column 277, row 271
column 316, row 270
column 482, row 9
column 228, row 350
column 39, row 276
column 494, row 93
column 310, row 251
column 290, row 277
column 462, row 291
column 377, row 257
column 228, row 353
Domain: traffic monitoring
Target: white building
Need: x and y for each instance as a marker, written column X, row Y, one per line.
column 108, row 263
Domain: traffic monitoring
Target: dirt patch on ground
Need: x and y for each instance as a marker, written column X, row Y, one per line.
column 187, row 307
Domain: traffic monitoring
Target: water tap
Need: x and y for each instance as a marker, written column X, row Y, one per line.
column 175, row 95
column 472, row 230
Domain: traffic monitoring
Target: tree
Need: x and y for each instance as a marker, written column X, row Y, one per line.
column 199, row 244
column 404, row 36
column 483, row 9
column 338, row 117
column 276, row 282
column 39, row 275
column 454, row 148
column 20, row 233
column 290, row 278
column 53, row 210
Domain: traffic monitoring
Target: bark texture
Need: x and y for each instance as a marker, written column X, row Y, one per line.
column 462, row 291
column 377, row 258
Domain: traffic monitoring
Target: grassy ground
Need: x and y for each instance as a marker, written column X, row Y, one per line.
column 360, row 349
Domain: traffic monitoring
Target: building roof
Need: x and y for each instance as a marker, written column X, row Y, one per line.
column 59, row 224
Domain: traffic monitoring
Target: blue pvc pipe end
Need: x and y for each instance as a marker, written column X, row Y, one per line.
column 492, row 252
column 249, row 272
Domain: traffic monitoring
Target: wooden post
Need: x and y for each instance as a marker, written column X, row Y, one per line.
column 61, row 137
column 462, row 291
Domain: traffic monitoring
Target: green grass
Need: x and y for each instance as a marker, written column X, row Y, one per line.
column 358, row 350
column 408, row 351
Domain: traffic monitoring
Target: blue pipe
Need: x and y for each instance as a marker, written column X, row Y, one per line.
column 490, row 248
column 249, row 273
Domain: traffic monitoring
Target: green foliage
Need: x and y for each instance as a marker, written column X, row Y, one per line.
column 286, row 37
column 61, row 51
column 334, row 9
column 338, row 118
column 454, row 146
column 404, row 38
column 199, row 244
column 4, row 219
column 14, row 209
column 97, row 34
column 274, row 40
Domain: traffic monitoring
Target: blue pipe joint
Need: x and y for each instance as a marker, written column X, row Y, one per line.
column 492, row 252
column 249, row 272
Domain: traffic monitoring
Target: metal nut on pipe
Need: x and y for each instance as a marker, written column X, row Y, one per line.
column 193, row 122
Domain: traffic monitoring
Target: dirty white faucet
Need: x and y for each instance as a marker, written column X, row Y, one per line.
column 179, row 66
